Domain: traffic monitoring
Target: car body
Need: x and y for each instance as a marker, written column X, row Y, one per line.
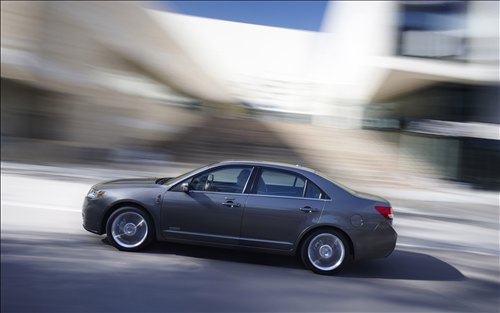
column 271, row 207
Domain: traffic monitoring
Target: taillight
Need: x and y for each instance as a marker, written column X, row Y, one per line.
column 386, row 211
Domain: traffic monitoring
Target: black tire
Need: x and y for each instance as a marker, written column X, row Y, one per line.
column 130, row 229
column 325, row 251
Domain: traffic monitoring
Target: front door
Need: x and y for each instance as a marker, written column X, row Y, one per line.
column 211, row 211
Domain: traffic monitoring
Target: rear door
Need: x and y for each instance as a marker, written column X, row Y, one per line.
column 282, row 204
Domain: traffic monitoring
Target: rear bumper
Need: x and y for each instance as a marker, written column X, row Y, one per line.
column 378, row 243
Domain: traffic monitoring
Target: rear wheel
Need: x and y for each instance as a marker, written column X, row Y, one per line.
column 129, row 229
column 325, row 252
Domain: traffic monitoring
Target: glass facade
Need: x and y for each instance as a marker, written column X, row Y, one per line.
column 432, row 29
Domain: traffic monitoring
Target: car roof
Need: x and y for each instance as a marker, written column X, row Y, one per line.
column 267, row 163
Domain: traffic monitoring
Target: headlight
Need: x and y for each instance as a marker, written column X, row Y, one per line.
column 95, row 194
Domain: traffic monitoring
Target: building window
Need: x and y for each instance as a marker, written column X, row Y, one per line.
column 432, row 29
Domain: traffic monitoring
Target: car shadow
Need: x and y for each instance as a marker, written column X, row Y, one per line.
column 400, row 264
column 229, row 255
column 404, row 265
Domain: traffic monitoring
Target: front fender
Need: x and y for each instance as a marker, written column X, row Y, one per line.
column 149, row 201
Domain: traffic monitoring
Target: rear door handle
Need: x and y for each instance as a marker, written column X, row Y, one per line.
column 308, row 209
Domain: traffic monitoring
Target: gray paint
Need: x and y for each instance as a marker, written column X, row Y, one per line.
column 267, row 223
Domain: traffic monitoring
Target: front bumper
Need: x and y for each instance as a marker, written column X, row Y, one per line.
column 92, row 217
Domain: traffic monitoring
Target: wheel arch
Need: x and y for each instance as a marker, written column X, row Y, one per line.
column 121, row 204
column 309, row 231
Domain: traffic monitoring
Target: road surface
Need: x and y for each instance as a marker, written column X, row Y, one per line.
column 443, row 262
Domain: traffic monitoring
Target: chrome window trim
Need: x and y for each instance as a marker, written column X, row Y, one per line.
column 255, row 168
column 288, row 197
column 258, row 195
column 248, row 179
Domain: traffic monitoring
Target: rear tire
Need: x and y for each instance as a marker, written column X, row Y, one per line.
column 129, row 229
column 325, row 251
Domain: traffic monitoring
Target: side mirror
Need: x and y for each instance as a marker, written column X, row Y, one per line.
column 185, row 187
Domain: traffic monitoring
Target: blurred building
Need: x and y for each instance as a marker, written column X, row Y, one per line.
column 84, row 78
column 428, row 70
column 95, row 77
column 266, row 68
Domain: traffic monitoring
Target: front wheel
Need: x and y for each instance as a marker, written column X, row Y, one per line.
column 325, row 252
column 129, row 229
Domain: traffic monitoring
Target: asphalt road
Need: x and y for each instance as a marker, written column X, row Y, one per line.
column 50, row 264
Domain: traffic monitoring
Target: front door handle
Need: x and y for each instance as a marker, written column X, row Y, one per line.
column 308, row 209
column 231, row 204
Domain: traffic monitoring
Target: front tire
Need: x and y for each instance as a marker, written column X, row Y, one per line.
column 129, row 229
column 325, row 252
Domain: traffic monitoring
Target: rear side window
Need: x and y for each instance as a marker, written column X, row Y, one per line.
column 313, row 191
column 274, row 182
column 280, row 183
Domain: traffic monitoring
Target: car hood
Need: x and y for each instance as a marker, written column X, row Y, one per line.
column 127, row 182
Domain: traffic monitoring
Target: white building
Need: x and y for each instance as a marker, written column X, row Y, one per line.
column 428, row 68
column 368, row 51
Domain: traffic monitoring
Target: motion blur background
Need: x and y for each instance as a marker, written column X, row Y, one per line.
column 394, row 98
column 402, row 93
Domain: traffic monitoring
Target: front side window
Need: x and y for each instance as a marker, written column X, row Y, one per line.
column 227, row 179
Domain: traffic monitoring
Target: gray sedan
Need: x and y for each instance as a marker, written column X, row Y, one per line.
column 271, row 207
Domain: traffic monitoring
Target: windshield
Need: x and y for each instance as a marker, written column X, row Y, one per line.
column 181, row 177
